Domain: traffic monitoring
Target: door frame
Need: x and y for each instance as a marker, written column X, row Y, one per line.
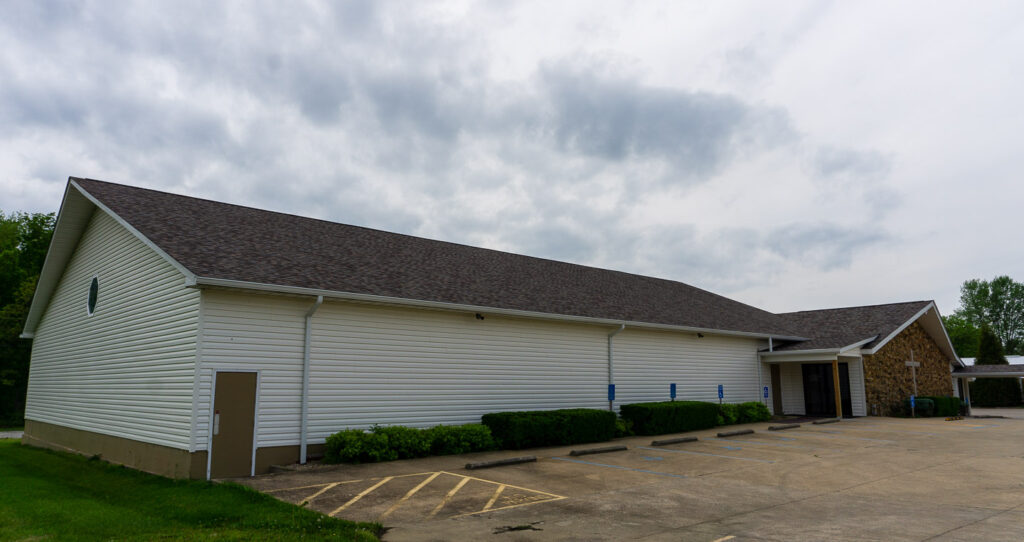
column 845, row 391
column 255, row 416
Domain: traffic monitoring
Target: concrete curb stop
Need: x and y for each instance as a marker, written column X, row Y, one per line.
column 782, row 427
column 501, row 462
column 679, row 440
column 830, row 420
column 603, row 450
column 735, row 433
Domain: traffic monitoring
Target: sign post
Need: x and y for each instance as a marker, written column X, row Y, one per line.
column 672, row 391
column 766, row 392
column 721, row 393
column 913, row 374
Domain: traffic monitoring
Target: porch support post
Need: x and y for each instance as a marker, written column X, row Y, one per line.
column 835, row 382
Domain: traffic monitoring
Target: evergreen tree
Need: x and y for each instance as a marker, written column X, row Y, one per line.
column 993, row 392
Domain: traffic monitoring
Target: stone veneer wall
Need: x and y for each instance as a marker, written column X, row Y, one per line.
column 887, row 380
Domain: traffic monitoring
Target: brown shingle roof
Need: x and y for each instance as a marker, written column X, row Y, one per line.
column 836, row 328
column 219, row 240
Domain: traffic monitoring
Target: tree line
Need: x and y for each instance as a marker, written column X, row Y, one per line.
column 24, row 240
column 988, row 325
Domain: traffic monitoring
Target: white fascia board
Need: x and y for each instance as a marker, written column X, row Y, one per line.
column 920, row 313
column 442, row 305
column 782, row 353
column 190, row 277
column 900, row 329
column 945, row 334
column 820, row 355
column 58, row 254
column 859, row 344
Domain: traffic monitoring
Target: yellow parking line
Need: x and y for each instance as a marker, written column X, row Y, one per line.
column 724, row 538
column 345, row 482
column 507, row 507
column 508, row 485
column 448, row 497
column 407, row 495
column 364, row 493
column 497, row 493
column 310, row 498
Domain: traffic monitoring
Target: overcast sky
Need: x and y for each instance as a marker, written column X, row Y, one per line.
column 789, row 155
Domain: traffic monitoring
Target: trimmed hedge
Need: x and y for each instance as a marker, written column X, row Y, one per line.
column 754, row 411
column 670, row 416
column 923, row 407
column 945, row 405
column 528, row 429
column 399, row 442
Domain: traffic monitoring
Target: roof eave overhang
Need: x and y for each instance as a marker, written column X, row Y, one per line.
column 199, row 281
column 76, row 209
column 946, row 346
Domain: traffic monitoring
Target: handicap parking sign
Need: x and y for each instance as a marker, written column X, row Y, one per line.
column 721, row 392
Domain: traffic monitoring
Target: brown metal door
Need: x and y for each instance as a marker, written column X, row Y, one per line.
column 234, row 416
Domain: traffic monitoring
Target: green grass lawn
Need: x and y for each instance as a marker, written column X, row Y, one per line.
column 47, row 495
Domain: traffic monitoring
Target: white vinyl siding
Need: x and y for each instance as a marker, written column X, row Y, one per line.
column 792, row 388
column 646, row 362
column 248, row 333
column 374, row 364
column 126, row 370
column 858, row 401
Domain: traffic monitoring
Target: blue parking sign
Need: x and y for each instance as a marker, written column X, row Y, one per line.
column 721, row 392
column 766, row 392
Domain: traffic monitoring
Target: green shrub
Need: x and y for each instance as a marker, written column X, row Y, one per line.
column 670, row 416
column 729, row 413
column 945, row 405
column 923, row 407
column 460, row 439
column 528, row 429
column 405, row 442
column 358, row 446
column 623, row 428
column 995, row 392
column 754, row 411
column 399, row 442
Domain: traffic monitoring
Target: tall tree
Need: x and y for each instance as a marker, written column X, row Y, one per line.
column 24, row 240
column 993, row 392
column 1000, row 304
column 963, row 334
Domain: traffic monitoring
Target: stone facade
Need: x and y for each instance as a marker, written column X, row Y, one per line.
column 887, row 379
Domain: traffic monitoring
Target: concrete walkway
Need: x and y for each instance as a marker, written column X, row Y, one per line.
column 11, row 434
column 1017, row 413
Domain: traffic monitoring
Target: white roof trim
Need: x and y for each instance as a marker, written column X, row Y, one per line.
column 931, row 306
column 371, row 298
column 56, row 255
column 857, row 344
column 781, row 353
column 900, row 329
column 190, row 277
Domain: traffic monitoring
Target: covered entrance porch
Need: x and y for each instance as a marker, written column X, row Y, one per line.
column 965, row 374
column 810, row 384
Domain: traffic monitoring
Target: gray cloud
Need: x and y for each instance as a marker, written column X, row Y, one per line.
column 378, row 115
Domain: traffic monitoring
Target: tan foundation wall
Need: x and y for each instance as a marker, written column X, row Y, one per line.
column 153, row 458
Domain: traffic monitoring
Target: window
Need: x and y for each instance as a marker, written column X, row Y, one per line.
column 94, row 290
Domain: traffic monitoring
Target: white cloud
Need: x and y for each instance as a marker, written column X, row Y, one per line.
column 792, row 155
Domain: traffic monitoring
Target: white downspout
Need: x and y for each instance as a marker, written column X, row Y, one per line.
column 611, row 367
column 304, row 425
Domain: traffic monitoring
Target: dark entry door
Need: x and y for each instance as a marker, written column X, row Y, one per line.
column 234, row 407
column 819, row 389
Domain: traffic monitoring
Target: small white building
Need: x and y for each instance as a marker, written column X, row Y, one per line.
column 200, row 339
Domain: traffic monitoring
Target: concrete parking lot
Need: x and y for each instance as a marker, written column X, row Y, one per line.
column 861, row 479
